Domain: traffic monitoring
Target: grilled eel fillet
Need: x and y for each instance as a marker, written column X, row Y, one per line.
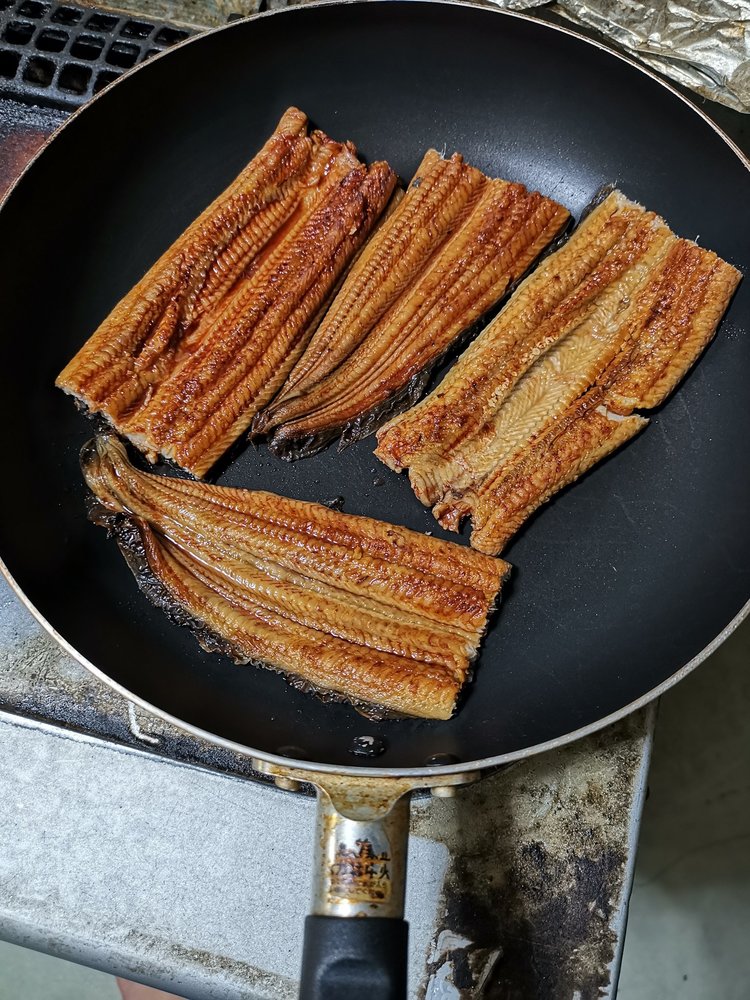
column 354, row 608
column 608, row 324
column 205, row 339
column 448, row 252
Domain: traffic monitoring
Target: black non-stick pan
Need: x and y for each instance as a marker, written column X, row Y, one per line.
column 622, row 584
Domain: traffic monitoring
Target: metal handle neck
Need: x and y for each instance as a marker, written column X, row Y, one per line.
column 360, row 864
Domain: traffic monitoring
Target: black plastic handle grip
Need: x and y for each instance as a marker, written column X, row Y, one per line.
column 345, row 958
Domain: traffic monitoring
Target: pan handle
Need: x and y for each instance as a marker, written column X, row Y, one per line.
column 356, row 938
column 343, row 957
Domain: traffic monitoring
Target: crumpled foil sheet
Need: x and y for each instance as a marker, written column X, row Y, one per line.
column 702, row 44
column 517, row 5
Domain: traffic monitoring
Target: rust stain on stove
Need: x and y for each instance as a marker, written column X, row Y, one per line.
column 23, row 131
column 15, row 152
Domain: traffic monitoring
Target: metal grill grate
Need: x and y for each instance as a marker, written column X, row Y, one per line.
column 63, row 54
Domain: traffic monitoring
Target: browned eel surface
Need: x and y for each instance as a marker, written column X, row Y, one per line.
column 205, row 339
column 352, row 607
column 608, row 324
column 448, row 252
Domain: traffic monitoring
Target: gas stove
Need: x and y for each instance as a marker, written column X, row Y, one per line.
column 128, row 845
column 61, row 55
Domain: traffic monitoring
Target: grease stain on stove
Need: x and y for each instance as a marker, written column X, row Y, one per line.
column 532, row 911
column 567, row 900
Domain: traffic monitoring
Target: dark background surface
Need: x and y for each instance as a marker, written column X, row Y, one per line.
column 619, row 582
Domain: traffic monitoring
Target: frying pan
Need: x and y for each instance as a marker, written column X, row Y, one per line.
column 622, row 584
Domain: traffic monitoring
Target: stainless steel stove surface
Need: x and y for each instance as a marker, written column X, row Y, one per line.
column 130, row 846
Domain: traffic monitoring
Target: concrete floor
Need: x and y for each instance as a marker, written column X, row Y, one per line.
column 690, row 911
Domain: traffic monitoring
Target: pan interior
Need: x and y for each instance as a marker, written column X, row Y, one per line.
column 618, row 583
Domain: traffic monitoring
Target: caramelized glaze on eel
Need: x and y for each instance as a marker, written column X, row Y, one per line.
column 607, row 325
column 209, row 334
column 447, row 253
column 354, row 608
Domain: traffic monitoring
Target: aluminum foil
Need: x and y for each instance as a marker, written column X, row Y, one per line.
column 702, row 44
column 518, row 5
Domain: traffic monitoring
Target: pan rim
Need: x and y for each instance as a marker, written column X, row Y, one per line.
column 354, row 770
